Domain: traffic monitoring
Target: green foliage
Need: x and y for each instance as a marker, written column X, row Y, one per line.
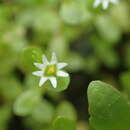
column 44, row 112
column 94, row 42
column 113, row 32
column 29, row 56
column 74, row 12
column 108, row 108
column 5, row 113
column 9, row 94
column 62, row 123
column 62, row 84
column 7, row 57
column 124, row 78
column 65, row 109
column 26, row 103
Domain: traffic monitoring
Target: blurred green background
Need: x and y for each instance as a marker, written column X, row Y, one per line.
column 94, row 42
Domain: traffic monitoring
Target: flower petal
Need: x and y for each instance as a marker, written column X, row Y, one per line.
column 105, row 4
column 44, row 60
column 42, row 81
column 38, row 65
column 61, row 65
column 38, row 73
column 62, row 74
column 53, row 58
column 53, row 81
column 96, row 3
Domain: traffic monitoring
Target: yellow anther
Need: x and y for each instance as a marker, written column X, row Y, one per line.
column 51, row 69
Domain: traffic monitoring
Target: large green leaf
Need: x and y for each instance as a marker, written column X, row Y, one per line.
column 108, row 108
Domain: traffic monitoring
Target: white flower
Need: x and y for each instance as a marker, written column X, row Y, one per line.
column 105, row 3
column 50, row 70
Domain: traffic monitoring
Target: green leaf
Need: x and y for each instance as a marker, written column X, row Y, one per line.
column 66, row 109
column 62, row 123
column 108, row 29
column 33, row 124
column 105, row 52
column 7, row 58
column 29, row 2
column 10, row 88
column 31, row 81
column 44, row 112
column 5, row 113
column 108, row 108
column 74, row 12
column 75, row 61
column 122, row 19
column 125, row 81
column 48, row 18
column 26, row 102
column 62, row 84
column 29, row 56
column 126, row 55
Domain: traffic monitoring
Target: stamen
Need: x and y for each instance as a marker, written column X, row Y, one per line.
column 50, row 70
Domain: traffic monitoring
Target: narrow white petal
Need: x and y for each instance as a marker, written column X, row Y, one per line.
column 44, row 60
column 96, row 3
column 42, row 81
column 53, row 58
column 62, row 74
column 38, row 65
column 38, row 73
column 105, row 4
column 61, row 65
column 53, row 81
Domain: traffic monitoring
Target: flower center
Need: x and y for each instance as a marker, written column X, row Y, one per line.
column 50, row 70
